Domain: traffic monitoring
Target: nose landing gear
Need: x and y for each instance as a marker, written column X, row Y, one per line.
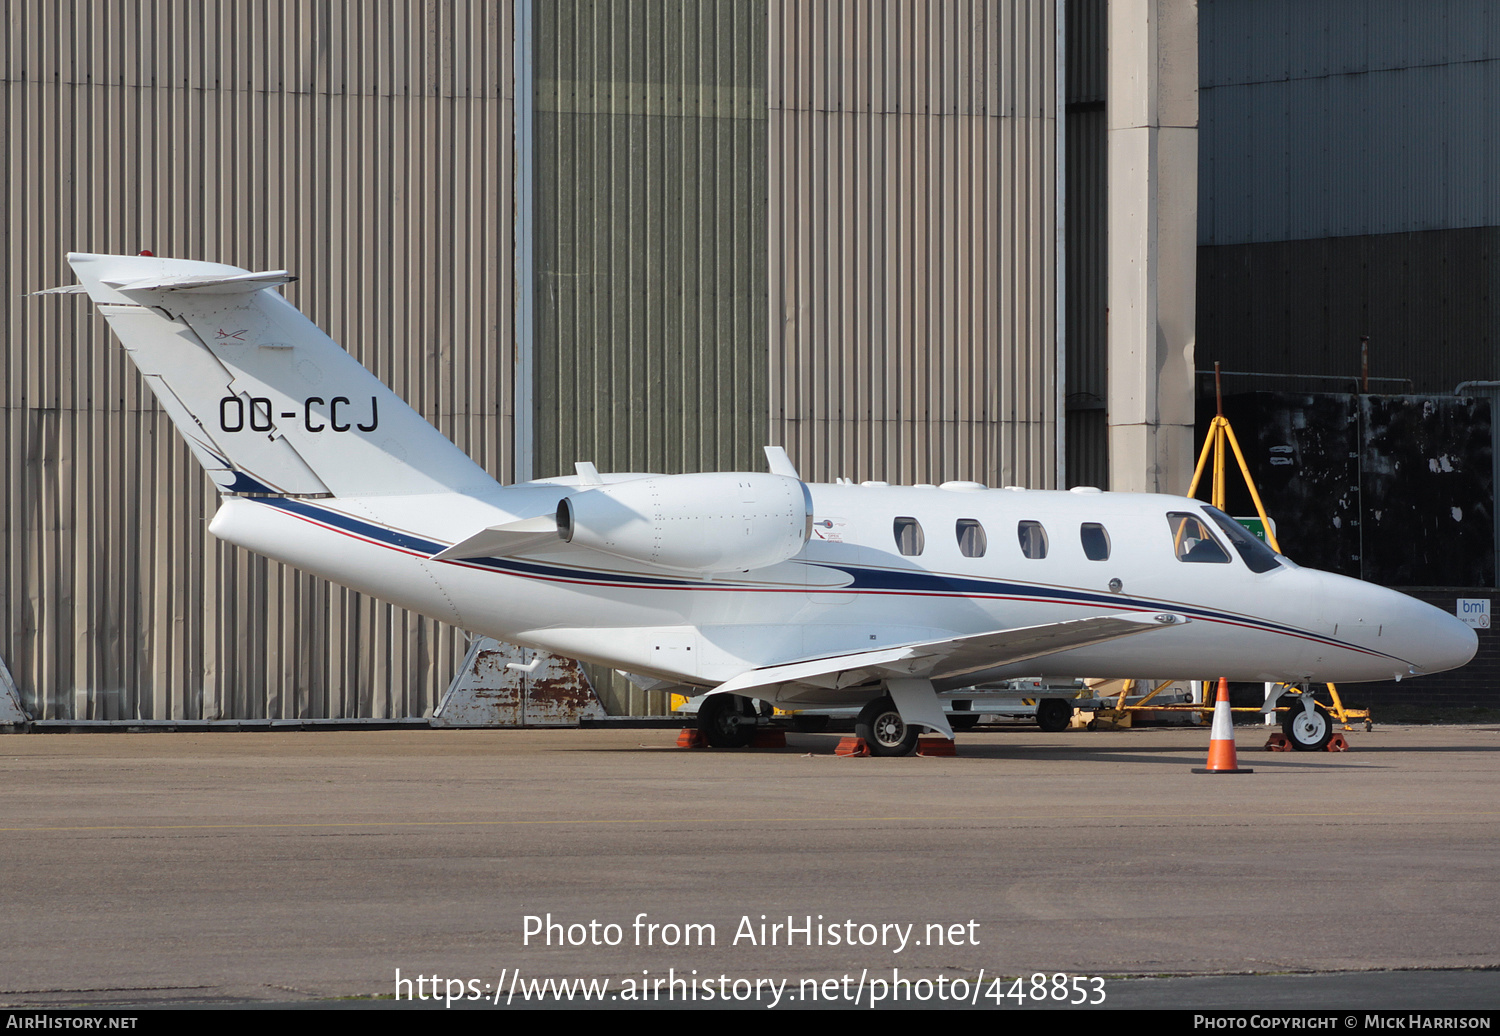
column 1307, row 725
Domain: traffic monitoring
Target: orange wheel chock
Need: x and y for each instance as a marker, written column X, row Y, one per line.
column 936, row 746
column 852, row 746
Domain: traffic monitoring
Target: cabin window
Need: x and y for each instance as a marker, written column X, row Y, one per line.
column 971, row 538
column 1033, row 539
column 1191, row 540
column 1257, row 555
column 909, row 539
column 1095, row 541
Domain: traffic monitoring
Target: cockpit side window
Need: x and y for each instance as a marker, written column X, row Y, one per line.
column 1095, row 541
column 1258, row 556
column 909, row 539
column 971, row 539
column 1191, row 540
column 1033, row 539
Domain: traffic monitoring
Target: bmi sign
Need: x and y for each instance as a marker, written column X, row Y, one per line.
column 1474, row 611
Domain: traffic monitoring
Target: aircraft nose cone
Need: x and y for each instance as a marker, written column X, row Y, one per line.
column 1438, row 640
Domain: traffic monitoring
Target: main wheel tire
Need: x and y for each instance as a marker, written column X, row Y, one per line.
column 962, row 722
column 883, row 729
column 1307, row 731
column 1054, row 714
column 727, row 721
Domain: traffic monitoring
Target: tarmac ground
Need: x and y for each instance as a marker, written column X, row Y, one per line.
column 296, row 868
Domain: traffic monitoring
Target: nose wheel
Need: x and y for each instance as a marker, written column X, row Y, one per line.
column 1309, row 730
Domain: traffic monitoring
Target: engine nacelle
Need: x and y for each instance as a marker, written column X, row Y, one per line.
column 703, row 523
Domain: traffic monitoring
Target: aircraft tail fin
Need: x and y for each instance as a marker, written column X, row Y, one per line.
column 267, row 402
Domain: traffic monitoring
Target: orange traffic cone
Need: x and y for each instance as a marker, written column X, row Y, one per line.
column 1221, row 758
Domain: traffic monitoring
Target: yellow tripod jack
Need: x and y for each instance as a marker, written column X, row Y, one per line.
column 1220, row 434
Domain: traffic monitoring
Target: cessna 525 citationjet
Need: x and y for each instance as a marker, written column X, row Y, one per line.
column 748, row 585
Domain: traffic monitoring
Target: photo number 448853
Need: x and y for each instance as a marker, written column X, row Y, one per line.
column 1058, row 988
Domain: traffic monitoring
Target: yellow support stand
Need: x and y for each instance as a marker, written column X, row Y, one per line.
column 1220, row 433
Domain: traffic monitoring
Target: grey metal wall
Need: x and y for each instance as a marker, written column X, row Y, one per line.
column 363, row 146
column 913, row 224
column 1086, row 310
column 1349, row 186
column 650, row 235
column 1428, row 301
column 1325, row 118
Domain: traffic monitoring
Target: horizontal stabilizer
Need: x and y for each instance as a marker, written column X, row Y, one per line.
column 950, row 658
column 233, row 284
column 503, row 540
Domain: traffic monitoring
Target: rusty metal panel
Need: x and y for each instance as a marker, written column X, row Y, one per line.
column 487, row 692
column 363, row 146
column 11, row 713
column 912, row 239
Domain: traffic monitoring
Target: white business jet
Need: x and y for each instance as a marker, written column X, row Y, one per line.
column 748, row 585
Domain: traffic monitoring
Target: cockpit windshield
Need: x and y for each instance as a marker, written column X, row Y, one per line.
column 1191, row 540
column 1258, row 556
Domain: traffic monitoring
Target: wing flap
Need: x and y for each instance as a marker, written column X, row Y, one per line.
column 955, row 656
column 988, row 650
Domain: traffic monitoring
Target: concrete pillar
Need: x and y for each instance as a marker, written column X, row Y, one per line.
column 1152, row 114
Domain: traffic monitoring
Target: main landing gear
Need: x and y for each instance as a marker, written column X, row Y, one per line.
column 727, row 720
column 883, row 729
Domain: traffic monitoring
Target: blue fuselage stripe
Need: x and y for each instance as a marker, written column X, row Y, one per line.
column 863, row 579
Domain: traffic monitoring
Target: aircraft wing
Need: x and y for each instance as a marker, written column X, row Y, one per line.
column 945, row 659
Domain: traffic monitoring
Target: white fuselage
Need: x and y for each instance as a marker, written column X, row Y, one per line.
column 852, row 589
